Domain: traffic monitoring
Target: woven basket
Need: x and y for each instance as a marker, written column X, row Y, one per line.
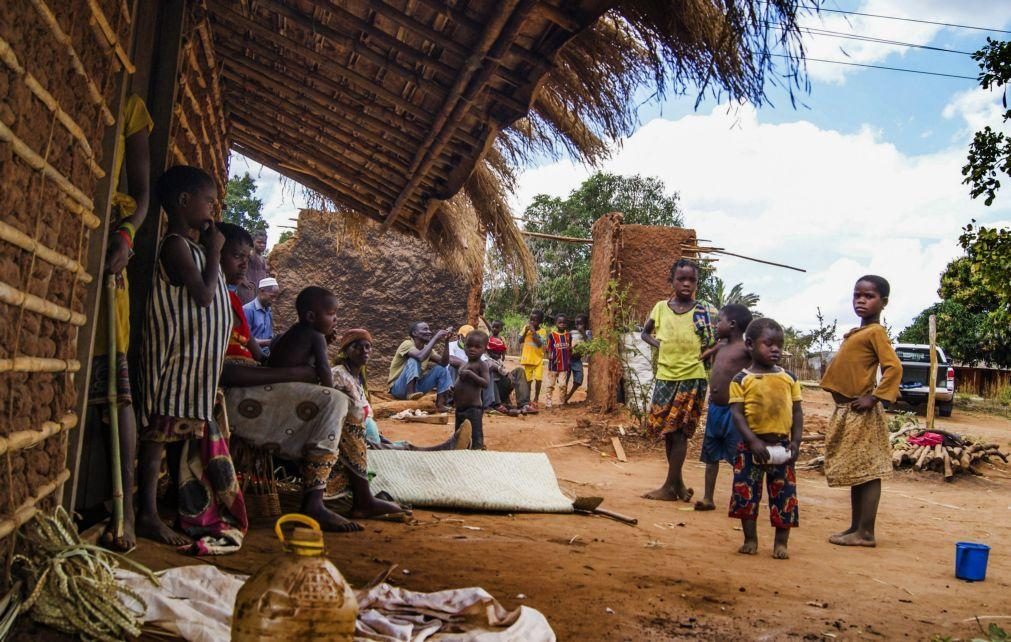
column 263, row 506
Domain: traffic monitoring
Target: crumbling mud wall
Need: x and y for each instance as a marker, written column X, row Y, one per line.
column 384, row 282
column 58, row 77
column 637, row 258
column 199, row 128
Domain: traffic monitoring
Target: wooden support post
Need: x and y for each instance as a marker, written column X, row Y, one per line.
column 95, row 265
column 161, row 98
column 932, row 385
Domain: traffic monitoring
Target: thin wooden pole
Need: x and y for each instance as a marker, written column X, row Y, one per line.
column 556, row 237
column 932, row 385
column 749, row 258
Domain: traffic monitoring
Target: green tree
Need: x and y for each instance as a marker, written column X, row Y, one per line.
column 563, row 269
column 960, row 332
column 241, row 206
column 285, row 235
column 714, row 290
column 990, row 151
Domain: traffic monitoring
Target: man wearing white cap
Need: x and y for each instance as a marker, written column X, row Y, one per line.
column 259, row 314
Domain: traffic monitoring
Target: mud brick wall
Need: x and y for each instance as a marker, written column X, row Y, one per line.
column 58, row 70
column 638, row 258
column 199, row 128
column 384, row 282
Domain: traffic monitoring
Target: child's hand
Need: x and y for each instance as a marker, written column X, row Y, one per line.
column 794, row 452
column 759, row 451
column 863, row 404
column 212, row 238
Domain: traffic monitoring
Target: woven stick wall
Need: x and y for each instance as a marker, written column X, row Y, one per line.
column 58, row 68
column 199, row 129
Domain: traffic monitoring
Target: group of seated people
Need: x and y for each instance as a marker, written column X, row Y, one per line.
column 207, row 379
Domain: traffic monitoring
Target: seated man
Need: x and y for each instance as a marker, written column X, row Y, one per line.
column 259, row 314
column 416, row 368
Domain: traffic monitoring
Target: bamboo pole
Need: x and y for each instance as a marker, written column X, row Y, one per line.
column 748, row 258
column 11, row 60
column 932, row 385
column 98, row 18
column 368, row 127
column 39, row 364
column 87, row 216
column 500, row 29
column 14, row 236
column 22, row 439
column 351, row 45
column 556, row 237
column 13, row 296
column 29, row 508
column 113, row 405
column 365, row 85
column 36, row 162
column 61, row 37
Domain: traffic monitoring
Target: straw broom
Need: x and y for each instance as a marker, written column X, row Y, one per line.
column 113, row 398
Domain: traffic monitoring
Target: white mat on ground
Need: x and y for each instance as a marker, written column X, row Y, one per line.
column 196, row 602
column 469, row 479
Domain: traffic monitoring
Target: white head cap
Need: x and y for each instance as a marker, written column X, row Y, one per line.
column 268, row 282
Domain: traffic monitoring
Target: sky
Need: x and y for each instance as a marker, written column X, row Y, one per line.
column 861, row 176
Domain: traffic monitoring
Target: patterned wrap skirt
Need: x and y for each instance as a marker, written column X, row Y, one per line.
column 676, row 407
column 856, row 446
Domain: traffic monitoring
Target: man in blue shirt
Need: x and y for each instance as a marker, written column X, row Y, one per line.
column 260, row 316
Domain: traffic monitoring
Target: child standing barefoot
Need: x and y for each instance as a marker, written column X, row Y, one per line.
column 559, row 359
column 188, row 324
column 721, row 438
column 857, row 453
column 765, row 404
column 684, row 328
column 534, row 340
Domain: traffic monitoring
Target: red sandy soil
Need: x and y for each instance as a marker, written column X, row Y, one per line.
column 677, row 574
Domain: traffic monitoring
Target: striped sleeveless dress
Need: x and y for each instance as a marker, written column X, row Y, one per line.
column 184, row 346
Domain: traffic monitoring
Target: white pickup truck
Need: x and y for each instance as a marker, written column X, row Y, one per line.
column 914, row 388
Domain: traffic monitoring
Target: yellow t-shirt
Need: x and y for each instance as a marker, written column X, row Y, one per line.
column 680, row 344
column 533, row 354
column 768, row 400
column 400, row 360
column 135, row 119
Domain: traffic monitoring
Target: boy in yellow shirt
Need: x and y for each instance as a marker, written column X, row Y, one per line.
column 534, row 339
column 765, row 404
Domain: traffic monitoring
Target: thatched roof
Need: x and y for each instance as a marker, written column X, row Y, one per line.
column 416, row 112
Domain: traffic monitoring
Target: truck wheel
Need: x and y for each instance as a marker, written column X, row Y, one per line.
column 944, row 411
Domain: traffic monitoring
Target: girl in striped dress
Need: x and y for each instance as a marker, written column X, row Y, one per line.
column 187, row 326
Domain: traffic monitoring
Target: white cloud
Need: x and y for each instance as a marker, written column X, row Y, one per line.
column 282, row 198
column 977, row 108
column 840, row 205
column 984, row 13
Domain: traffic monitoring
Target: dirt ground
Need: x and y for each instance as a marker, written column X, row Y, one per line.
column 676, row 575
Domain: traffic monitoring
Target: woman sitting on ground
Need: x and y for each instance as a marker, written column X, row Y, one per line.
column 308, row 423
column 349, row 377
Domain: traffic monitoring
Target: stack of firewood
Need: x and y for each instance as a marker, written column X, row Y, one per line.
column 956, row 454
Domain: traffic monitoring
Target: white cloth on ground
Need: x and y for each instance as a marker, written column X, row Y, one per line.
column 196, row 603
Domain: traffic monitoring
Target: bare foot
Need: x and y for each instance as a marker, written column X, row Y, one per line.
column 152, row 527
column 705, row 504
column 749, row 547
column 122, row 544
column 852, row 539
column 378, row 508
column 848, row 531
column 685, row 494
column 779, row 552
column 663, row 494
column 331, row 522
column 414, row 396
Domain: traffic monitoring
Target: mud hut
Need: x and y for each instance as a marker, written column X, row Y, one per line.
column 412, row 113
column 383, row 281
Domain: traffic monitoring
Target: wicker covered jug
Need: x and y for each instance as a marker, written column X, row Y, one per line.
column 299, row 595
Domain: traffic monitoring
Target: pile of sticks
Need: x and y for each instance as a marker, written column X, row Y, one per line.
column 955, row 455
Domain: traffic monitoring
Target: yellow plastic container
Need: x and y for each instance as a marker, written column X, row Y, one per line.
column 299, row 595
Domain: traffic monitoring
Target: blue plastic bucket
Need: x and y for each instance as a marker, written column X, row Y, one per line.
column 970, row 561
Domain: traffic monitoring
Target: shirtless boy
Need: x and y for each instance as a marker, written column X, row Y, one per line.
column 470, row 385
column 305, row 342
column 721, row 438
